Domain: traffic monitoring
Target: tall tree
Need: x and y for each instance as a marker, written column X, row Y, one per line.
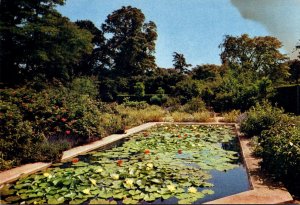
column 36, row 39
column 92, row 64
column 258, row 54
column 132, row 42
column 180, row 62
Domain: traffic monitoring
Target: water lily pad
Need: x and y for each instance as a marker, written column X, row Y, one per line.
column 59, row 200
column 208, row 191
column 129, row 201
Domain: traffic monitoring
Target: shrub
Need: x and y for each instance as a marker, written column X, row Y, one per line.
column 280, row 153
column 172, row 104
column 136, row 116
column 155, row 100
column 231, row 116
column 136, row 104
column 194, row 105
column 260, row 117
column 204, row 116
column 139, row 90
column 32, row 122
column 182, row 117
column 84, row 86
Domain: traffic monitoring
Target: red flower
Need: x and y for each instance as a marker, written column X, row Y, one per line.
column 63, row 119
column 147, row 151
column 179, row 151
column 146, row 134
column 119, row 162
column 68, row 132
column 75, row 160
column 179, row 136
column 185, row 135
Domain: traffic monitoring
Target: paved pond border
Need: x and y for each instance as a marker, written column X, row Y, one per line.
column 263, row 190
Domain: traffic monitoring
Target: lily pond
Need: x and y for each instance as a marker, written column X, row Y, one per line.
column 166, row 164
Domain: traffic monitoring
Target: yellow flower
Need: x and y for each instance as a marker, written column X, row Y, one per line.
column 93, row 181
column 129, row 182
column 115, row 176
column 99, row 170
column 192, row 190
column 46, row 174
column 86, row 191
column 150, row 165
column 171, row 188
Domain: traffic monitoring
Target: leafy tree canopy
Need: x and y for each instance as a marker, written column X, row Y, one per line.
column 36, row 39
column 132, row 42
column 92, row 64
column 208, row 71
column 258, row 54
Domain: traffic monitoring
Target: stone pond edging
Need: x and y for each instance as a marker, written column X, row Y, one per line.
column 263, row 191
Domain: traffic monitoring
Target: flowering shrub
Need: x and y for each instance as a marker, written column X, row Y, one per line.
column 38, row 126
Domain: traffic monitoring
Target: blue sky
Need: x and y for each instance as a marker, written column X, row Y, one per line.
column 192, row 27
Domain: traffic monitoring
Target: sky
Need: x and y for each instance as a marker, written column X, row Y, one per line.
column 196, row 28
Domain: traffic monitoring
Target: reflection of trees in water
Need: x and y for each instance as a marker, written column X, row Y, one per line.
column 233, row 145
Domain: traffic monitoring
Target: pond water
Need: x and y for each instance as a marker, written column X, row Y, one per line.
column 166, row 164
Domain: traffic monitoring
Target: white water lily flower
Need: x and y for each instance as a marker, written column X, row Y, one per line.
column 99, row 170
column 192, row 190
column 131, row 172
column 115, row 176
column 94, row 182
column 129, row 182
column 86, row 191
column 171, row 187
column 291, row 143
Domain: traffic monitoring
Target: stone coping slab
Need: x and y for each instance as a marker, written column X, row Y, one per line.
column 15, row 173
column 263, row 191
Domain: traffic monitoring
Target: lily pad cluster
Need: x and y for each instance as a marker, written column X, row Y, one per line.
column 147, row 167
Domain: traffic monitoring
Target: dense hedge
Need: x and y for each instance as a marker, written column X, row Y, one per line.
column 277, row 142
column 288, row 97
